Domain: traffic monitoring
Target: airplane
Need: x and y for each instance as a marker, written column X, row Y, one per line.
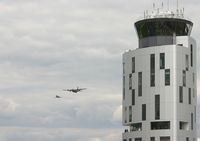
column 57, row 96
column 74, row 90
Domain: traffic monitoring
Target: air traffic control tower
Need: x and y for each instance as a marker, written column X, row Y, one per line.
column 159, row 80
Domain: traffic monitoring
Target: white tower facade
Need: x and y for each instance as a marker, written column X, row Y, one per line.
column 159, row 81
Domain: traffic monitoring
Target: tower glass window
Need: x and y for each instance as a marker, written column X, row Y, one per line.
column 139, row 83
column 180, row 94
column 191, row 121
column 136, row 127
column 133, row 97
column 157, row 107
column 152, row 69
column 152, row 138
column 130, row 81
column 123, row 87
column 189, row 96
column 125, row 114
column 130, row 113
column 191, row 55
column 138, row 139
column 160, row 125
column 123, row 68
column 187, row 62
column 162, row 60
column 184, row 78
column 167, row 77
column 133, row 65
column 165, row 138
column 143, row 112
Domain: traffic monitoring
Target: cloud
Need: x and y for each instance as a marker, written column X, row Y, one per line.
column 48, row 45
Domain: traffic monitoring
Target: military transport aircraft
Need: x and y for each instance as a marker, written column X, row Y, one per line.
column 74, row 90
column 57, row 96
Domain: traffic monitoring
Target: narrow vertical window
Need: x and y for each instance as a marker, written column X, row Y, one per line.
column 167, row 77
column 180, row 94
column 123, row 87
column 133, row 65
column 125, row 114
column 133, row 97
column 193, row 93
column 195, row 114
column 130, row 139
column 143, row 112
column 152, row 69
column 191, row 55
column 157, row 107
column 193, row 78
column 140, row 84
column 162, row 60
column 184, row 78
column 189, row 96
column 123, row 68
column 187, row 138
column 130, row 113
column 130, row 81
column 191, row 121
column 187, row 62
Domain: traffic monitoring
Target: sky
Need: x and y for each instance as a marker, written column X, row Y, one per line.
column 50, row 45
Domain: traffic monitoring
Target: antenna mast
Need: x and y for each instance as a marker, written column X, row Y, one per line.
column 177, row 5
column 168, row 5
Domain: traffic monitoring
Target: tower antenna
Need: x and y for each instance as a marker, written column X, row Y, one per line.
column 177, row 5
column 168, row 5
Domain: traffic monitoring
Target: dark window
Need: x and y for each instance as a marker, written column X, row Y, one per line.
column 133, row 65
column 133, row 97
column 195, row 113
column 130, row 81
column 167, row 138
column 187, row 138
column 160, row 125
column 139, row 83
column 123, row 87
column 136, row 127
column 130, row 113
column 187, row 62
column 123, row 68
column 180, row 94
column 138, row 139
column 189, row 96
column 167, row 77
column 184, row 78
column 143, row 111
column 152, row 69
column 191, row 55
column 130, row 139
column 124, row 139
column 162, row 60
column 157, row 106
column 125, row 114
column 191, row 121
column 152, row 138
column 193, row 79
column 183, row 125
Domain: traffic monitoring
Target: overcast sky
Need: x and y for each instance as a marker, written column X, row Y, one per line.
column 48, row 45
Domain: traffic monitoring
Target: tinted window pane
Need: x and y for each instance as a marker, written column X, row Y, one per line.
column 162, row 60
column 152, row 69
column 167, row 77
